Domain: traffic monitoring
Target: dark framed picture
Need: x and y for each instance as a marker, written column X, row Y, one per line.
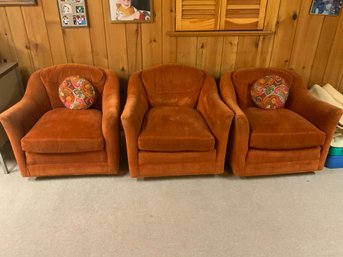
column 326, row 7
column 122, row 11
column 18, row 2
column 73, row 13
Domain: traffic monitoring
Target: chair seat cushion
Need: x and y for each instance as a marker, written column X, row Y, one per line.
column 173, row 128
column 281, row 129
column 65, row 131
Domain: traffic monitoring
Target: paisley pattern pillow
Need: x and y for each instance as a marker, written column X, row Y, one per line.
column 77, row 93
column 270, row 92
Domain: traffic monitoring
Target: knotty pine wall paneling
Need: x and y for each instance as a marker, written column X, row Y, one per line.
column 305, row 41
column 334, row 68
column 229, row 54
column 7, row 48
column 168, row 24
column 37, row 35
column 323, row 50
column 285, row 30
column 311, row 45
column 54, row 30
column 266, row 42
column 208, row 54
column 247, row 51
column 115, row 44
column 134, row 47
column 20, row 40
column 152, row 38
column 186, row 50
column 97, row 33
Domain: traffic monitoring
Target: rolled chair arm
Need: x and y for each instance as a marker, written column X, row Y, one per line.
column 239, row 137
column 110, row 119
column 218, row 117
column 132, row 118
column 21, row 117
column 323, row 115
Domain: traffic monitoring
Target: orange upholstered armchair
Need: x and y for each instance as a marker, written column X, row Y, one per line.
column 49, row 139
column 175, row 123
column 287, row 140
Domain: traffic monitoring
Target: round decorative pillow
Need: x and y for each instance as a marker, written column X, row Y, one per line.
column 77, row 93
column 270, row 92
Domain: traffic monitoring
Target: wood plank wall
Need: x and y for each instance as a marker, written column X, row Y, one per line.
column 312, row 45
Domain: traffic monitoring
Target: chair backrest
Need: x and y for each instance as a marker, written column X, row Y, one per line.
column 173, row 85
column 245, row 78
column 52, row 77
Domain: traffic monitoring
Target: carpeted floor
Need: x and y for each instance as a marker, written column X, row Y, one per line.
column 206, row 216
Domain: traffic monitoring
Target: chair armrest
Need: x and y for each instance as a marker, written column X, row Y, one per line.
column 132, row 118
column 110, row 119
column 217, row 115
column 20, row 118
column 239, row 137
column 323, row 115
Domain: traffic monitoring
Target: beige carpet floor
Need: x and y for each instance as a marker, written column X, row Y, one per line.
column 206, row 216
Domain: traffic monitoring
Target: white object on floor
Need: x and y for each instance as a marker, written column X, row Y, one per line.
column 337, row 140
column 334, row 93
column 321, row 94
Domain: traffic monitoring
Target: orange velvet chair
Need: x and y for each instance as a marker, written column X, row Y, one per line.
column 288, row 140
column 175, row 123
column 50, row 140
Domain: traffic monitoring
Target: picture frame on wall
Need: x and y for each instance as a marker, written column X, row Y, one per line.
column 73, row 13
column 326, row 7
column 131, row 11
column 17, row 2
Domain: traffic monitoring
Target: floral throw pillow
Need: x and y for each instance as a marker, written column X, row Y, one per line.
column 270, row 92
column 77, row 93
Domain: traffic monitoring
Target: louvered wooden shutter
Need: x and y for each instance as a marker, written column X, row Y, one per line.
column 197, row 15
column 243, row 15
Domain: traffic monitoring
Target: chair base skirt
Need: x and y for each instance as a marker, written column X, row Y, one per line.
column 177, row 169
column 47, row 170
column 264, row 169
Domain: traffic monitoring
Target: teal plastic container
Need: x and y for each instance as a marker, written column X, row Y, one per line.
column 336, row 151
